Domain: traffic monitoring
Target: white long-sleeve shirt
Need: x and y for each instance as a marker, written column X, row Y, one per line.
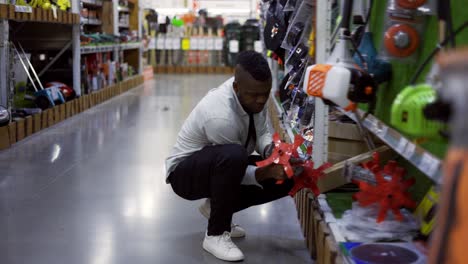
column 219, row 119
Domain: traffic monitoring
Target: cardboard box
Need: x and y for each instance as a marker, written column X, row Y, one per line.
column 3, row 11
column 4, row 137
column 20, row 130
column 346, row 147
column 29, row 126
column 344, row 131
column 56, row 114
column 45, row 119
column 36, row 123
column 63, row 112
column 12, row 132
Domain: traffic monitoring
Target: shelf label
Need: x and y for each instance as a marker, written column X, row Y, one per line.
column 160, row 43
column 210, row 44
column 258, row 46
column 168, row 44
column 194, row 43
column 152, row 43
column 185, row 44
column 176, row 43
column 401, row 145
column 23, row 9
column 429, row 164
column 202, row 44
column 234, row 46
column 409, row 150
column 219, row 44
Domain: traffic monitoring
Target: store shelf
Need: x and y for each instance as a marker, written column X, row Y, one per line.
column 416, row 155
column 90, row 49
column 96, row 3
column 26, row 13
column 130, row 46
column 121, row 25
column 123, row 9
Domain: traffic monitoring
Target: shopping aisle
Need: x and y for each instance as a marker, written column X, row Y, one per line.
column 91, row 189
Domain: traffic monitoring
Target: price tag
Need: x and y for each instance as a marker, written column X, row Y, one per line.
column 409, row 150
column 168, row 44
column 152, row 43
column 194, row 44
column 210, row 44
column 429, row 164
column 185, row 44
column 23, row 9
column 258, row 46
column 401, row 145
column 160, row 43
column 176, row 43
column 202, row 44
column 218, row 44
column 234, row 46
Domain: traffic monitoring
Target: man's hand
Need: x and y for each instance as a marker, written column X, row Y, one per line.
column 268, row 150
column 274, row 171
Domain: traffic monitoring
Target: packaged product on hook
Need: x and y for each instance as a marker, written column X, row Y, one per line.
column 300, row 27
column 402, row 34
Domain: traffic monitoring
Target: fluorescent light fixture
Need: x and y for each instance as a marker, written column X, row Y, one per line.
column 172, row 10
column 225, row 11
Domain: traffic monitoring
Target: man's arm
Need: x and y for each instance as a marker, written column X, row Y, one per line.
column 263, row 133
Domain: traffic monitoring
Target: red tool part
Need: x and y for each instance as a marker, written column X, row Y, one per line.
column 309, row 178
column 411, row 4
column 388, row 194
column 282, row 153
column 401, row 40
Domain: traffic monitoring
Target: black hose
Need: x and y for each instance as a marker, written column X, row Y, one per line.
column 435, row 51
column 347, row 11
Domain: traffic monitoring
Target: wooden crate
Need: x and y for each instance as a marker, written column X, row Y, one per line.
column 12, row 132
column 36, row 123
column 45, row 119
column 28, row 126
column 20, row 130
column 63, row 112
column 4, row 137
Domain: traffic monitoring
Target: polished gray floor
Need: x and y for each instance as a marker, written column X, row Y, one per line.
column 91, row 190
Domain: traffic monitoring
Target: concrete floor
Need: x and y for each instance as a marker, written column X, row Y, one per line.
column 91, row 189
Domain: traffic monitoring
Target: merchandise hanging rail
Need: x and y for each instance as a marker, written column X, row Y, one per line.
column 97, row 3
column 91, row 48
column 416, row 155
column 30, row 14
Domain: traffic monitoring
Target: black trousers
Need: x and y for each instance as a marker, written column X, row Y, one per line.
column 216, row 172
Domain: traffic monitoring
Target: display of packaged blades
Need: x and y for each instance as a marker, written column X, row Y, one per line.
column 401, row 40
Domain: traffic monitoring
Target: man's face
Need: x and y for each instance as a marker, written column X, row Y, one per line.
column 252, row 94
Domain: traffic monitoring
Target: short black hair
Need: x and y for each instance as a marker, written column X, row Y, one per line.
column 255, row 64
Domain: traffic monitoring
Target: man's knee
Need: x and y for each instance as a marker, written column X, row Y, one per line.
column 233, row 157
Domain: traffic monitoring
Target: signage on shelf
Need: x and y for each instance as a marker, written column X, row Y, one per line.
column 219, row 44
column 160, row 43
column 23, row 9
column 210, row 44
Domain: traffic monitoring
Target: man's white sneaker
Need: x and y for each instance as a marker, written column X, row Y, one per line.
column 236, row 230
column 222, row 247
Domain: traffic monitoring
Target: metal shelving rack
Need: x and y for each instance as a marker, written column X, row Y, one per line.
column 416, row 155
column 74, row 38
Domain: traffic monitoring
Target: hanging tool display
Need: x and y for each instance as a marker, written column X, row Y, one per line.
column 340, row 81
column 391, row 194
column 366, row 55
column 417, row 110
column 403, row 28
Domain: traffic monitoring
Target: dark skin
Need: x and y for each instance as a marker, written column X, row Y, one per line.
column 253, row 95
